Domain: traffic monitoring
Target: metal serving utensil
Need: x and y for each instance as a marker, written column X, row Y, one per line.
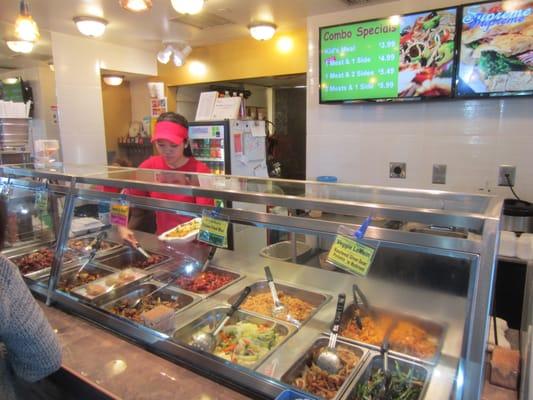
column 141, row 299
column 278, row 309
column 95, row 246
column 210, row 256
column 328, row 360
column 207, row 341
column 364, row 301
column 385, row 346
column 141, row 250
column 357, row 317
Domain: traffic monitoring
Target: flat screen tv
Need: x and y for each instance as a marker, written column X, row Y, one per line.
column 408, row 57
column 496, row 49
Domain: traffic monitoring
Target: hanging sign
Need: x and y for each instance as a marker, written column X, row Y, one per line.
column 214, row 229
column 119, row 213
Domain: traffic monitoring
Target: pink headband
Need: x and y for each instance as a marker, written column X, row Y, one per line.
column 170, row 131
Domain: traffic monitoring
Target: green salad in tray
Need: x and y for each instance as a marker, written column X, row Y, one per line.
column 245, row 343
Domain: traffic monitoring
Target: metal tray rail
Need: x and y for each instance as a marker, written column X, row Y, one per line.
column 170, row 293
column 185, row 333
column 433, row 329
column 317, row 300
column 235, row 275
column 322, row 341
column 127, row 257
column 422, row 372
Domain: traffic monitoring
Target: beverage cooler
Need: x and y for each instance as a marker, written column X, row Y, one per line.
column 229, row 147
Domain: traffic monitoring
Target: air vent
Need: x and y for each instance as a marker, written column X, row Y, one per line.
column 202, row 20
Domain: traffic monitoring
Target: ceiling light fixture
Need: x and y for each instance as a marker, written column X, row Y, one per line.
column 90, row 26
column 51, row 66
column 262, row 30
column 178, row 55
column 136, row 5
column 188, row 6
column 20, row 46
column 10, row 81
column 25, row 27
column 113, row 80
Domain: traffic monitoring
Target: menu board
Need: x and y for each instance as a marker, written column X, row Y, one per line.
column 496, row 54
column 410, row 56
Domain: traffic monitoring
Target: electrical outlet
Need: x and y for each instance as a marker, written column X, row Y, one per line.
column 398, row 170
column 506, row 170
column 439, row 174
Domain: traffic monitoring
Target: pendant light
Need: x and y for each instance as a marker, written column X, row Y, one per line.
column 188, row 6
column 90, row 26
column 136, row 5
column 20, row 46
column 25, row 27
column 262, row 30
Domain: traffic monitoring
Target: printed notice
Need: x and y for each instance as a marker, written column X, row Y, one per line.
column 351, row 255
column 213, row 230
column 119, row 214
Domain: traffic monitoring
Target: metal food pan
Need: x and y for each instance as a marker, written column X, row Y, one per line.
column 234, row 275
column 210, row 318
column 87, row 239
column 421, row 372
column 433, row 329
column 297, row 369
column 168, row 294
column 68, row 258
column 317, row 300
column 71, row 272
column 128, row 257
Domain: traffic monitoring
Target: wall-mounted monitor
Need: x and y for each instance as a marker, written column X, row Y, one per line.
column 409, row 57
column 496, row 50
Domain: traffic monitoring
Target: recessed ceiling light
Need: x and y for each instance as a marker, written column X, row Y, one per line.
column 188, row 6
column 262, row 30
column 113, row 80
column 136, row 5
column 20, row 46
column 90, row 26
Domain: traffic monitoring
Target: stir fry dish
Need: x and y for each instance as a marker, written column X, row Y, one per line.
column 406, row 338
column 426, row 54
column 147, row 262
column 262, row 303
column 66, row 284
column 401, row 386
column 37, row 260
column 82, row 244
column 206, row 282
column 245, row 343
column 123, row 308
column 318, row 382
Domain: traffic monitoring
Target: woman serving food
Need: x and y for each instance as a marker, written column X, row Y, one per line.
column 172, row 142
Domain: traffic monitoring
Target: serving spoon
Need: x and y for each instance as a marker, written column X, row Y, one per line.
column 328, row 360
column 207, row 341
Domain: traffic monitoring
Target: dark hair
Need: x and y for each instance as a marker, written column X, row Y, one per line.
column 3, row 220
column 180, row 120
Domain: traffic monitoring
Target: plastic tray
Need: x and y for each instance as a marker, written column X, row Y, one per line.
column 187, row 238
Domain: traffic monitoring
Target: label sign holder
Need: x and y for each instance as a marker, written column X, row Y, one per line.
column 119, row 212
column 214, row 228
column 350, row 252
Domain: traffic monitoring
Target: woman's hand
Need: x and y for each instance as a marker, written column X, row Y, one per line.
column 127, row 236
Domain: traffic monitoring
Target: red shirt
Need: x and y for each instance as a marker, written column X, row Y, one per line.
column 165, row 220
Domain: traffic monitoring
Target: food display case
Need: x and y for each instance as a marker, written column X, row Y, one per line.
column 434, row 289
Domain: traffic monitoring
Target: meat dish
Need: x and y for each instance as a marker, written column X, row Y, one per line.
column 206, row 282
column 123, row 309
column 82, row 244
column 262, row 303
column 315, row 380
column 66, row 284
column 406, row 337
column 37, row 260
column 147, row 262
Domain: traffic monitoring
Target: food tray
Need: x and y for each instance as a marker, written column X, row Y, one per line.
column 435, row 331
column 110, row 289
column 90, row 269
column 112, row 246
column 234, row 275
column 421, row 372
column 68, row 257
column 168, row 294
column 189, row 237
column 128, row 257
column 298, row 367
column 209, row 319
column 317, row 300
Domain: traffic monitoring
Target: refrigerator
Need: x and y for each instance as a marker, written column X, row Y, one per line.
column 234, row 147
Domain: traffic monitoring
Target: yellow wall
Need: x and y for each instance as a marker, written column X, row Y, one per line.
column 117, row 113
column 239, row 59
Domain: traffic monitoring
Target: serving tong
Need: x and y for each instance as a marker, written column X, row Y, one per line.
column 94, row 247
column 384, row 350
column 279, row 310
column 328, row 359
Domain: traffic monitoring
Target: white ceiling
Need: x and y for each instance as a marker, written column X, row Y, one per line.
column 148, row 29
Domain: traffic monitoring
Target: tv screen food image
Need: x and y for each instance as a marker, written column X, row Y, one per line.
column 410, row 56
column 497, row 49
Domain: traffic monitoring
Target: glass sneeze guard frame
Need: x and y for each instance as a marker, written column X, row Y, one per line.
column 478, row 213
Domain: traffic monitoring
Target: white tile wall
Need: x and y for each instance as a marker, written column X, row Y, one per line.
column 77, row 63
column 356, row 142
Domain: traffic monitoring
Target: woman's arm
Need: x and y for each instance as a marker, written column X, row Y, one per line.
column 33, row 350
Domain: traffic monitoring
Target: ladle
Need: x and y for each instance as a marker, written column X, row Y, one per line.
column 207, row 341
column 328, row 360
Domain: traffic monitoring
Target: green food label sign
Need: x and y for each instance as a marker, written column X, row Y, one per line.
column 360, row 61
column 351, row 255
column 214, row 231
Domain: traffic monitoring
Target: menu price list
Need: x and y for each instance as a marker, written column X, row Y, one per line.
column 360, row 61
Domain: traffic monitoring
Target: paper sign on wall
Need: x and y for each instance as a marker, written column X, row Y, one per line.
column 226, row 108
column 206, row 105
column 258, row 129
